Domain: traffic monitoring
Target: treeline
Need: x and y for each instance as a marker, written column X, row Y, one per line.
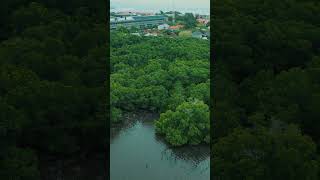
column 266, row 84
column 163, row 75
column 53, row 57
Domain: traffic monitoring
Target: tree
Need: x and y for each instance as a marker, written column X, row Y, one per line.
column 52, row 83
column 189, row 20
column 264, row 154
column 189, row 124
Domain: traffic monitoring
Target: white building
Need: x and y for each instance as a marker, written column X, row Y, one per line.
column 136, row 34
column 150, row 34
column 137, row 21
column 163, row 26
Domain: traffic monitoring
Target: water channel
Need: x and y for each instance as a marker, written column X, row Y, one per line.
column 137, row 153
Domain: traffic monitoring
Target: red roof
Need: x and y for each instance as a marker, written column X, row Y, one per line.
column 179, row 26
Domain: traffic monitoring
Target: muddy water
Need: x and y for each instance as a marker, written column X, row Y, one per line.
column 136, row 153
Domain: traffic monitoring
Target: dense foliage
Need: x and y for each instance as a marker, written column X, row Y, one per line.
column 188, row 124
column 266, row 89
column 263, row 154
column 163, row 75
column 52, row 76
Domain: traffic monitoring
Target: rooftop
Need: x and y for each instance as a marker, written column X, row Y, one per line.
column 137, row 18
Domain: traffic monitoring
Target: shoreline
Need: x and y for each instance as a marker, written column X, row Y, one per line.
column 130, row 118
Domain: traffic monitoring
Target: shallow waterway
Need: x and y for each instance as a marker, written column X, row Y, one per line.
column 136, row 153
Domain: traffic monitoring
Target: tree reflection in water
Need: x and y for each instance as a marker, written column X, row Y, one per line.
column 140, row 129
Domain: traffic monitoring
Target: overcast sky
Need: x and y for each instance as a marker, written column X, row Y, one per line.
column 161, row 4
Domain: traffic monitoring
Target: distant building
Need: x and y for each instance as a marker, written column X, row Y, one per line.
column 177, row 27
column 197, row 34
column 207, row 17
column 125, row 14
column 137, row 21
column 136, row 34
column 173, row 13
column 203, row 21
column 151, row 34
column 201, row 35
column 207, row 34
column 132, row 13
column 163, row 27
